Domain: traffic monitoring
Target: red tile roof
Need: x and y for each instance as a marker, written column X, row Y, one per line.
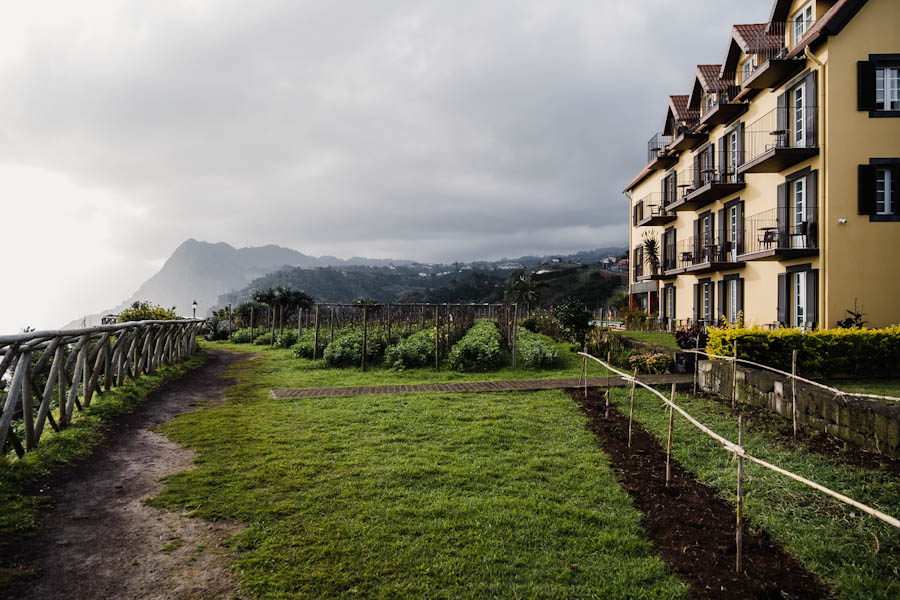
column 710, row 80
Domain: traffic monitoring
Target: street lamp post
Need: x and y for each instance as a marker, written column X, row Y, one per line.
column 194, row 306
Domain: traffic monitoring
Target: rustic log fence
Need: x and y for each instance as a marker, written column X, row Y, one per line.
column 739, row 452
column 63, row 369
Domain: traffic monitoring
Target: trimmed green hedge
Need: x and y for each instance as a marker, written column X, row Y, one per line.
column 479, row 350
column 346, row 350
column 413, row 352
column 535, row 351
column 827, row 352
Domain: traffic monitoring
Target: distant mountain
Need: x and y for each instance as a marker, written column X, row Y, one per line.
column 202, row 271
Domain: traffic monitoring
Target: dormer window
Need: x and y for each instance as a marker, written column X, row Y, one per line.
column 801, row 22
column 710, row 103
column 748, row 67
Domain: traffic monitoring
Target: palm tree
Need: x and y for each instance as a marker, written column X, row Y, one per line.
column 651, row 252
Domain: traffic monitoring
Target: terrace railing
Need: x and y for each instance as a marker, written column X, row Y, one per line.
column 62, row 370
column 781, row 128
column 656, row 147
column 649, row 206
column 780, row 229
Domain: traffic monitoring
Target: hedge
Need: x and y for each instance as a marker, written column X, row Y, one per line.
column 413, row 352
column 346, row 350
column 535, row 351
column 479, row 350
column 823, row 353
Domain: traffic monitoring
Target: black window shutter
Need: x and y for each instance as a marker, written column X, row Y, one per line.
column 740, row 159
column 696, row 240
column 722, row 304
column 783, row 216
column 866, row 190
column 782, row 298
column 812, row 209
column 712, row 228
column 812, row 101
column 673, row 186
column 697, row 303
column 782, row 115
column 812, row 297
column 723, row 235
column 662, row 189
column 672, row 308
column 723, row 159
column 865, row 82
column 711, row 314
column 740, row 295
column 739, row 242
column 697, row 167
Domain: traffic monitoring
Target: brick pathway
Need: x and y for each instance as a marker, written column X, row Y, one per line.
column 525, row 385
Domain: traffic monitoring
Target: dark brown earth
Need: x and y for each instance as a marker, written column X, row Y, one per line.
column 101, row 541
column 691, row 528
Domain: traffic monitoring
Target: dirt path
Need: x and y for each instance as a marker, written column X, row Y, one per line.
column 102, row 541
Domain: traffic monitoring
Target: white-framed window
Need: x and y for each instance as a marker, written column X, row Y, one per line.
column 733, row 231
column 748, row 67
column 884, row 192
column 732, row 155
column 710, row 103
column 798, row 212
column 799, row 304
column 801, row 22
column 887, row 88
column 798, row 96
column 670, row 302
column 732, row 300
column 705, row 309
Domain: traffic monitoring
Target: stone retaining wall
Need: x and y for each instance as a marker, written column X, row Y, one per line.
column 872, row 424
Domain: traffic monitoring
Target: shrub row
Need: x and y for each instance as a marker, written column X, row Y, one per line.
column 535, row 351
column 622, row 354
column 346, row 350
column 825, row 353
column 413, row 352
column 479, row 350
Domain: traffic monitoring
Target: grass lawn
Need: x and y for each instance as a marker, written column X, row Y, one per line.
column 855, row 554
column 300, row 373
column 413, row 496
column 660, row 338
column 882, row 387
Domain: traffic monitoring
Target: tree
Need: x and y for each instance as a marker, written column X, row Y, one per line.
column 145, row 311
column 650, row 244
column 574, row 318
column 522, row 288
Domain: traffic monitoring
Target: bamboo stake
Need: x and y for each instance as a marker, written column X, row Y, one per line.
column 608, row 360
column 631, row 407
column 316, row 337
column 794, row 412
column 584, row 375
column 696, row 363
column 734, row 378
column 738, row 533
column 669, row 442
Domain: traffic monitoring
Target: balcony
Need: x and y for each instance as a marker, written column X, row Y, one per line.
column 657, row 153
column 771, row 50
column 705, row 254
column 701, row 184
column 650, row 212
column 686, row 138
column 721, row 108
column 777, row 234
column 781, row 138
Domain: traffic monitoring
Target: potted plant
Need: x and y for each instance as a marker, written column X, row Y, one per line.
column 650, row 245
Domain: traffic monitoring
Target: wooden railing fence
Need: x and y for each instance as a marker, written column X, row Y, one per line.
column 63, row 370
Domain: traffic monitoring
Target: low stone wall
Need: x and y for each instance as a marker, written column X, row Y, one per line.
column 682, row 362
column 872, row 424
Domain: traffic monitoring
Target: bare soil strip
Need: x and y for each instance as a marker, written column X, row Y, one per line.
column 102, row 541
column 692, row 528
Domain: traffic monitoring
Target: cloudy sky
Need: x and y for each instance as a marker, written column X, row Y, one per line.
column 419, row 129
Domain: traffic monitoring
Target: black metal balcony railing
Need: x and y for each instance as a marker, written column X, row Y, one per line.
column 724, row 96
column 703, row 250
column 656, row 147
column 770, row 50
column 650, row 210
column 780, row 128
column 781, row 229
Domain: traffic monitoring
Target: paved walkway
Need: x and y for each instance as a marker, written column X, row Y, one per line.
column 524, row 385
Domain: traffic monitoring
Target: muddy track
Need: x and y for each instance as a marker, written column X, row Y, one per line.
column 691, row 528
column 101, row 541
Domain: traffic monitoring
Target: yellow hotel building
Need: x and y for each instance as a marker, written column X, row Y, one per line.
column 772, row 190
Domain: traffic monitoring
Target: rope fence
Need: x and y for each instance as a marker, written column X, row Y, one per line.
column 738, row 451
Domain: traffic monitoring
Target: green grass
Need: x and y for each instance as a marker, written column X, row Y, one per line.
column 660, row 338
column 882, row 387
column 855, row 554
column 300, row 373
column 19, row 516
column 412, row 496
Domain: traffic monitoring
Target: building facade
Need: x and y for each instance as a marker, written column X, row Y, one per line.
column 770, row 194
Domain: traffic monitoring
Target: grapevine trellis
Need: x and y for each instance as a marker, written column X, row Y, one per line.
column 62, row 370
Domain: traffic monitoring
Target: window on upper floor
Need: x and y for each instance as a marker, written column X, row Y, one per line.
column 878, row 84
column 801, row 22
column 878, row 189
column 748, row 67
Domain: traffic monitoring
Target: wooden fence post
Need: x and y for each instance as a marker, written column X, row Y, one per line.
column 365, row 332
column 738, row 533
column 331, row 325
column 631, row 407
column 696, row 363
column 669, row 442
column 437, row 340
column 794, row 412
column 515, row 337
column 584, row 373
column 609, row 362
column 388, row 340
column 316, row 335
column 734, row 378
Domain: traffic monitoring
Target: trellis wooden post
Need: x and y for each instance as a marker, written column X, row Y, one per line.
column 794, row 411
column 696, row 362
column 388, row 341
column 515, row 337
column 734, row 378
column 331, row 326
column 609, row 362
column 316, row 334
column 738, row 533
column 584, row 373
column 669, row 441
column 252, row 324
column 437, row 340
column 631, row 406
column 365, row 332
